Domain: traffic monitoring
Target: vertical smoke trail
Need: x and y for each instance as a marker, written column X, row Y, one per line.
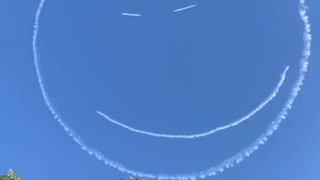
column 204, row 134
column 76, row 138
column 228, row 163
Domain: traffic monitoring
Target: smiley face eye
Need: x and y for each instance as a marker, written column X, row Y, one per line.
column 131, row 14
column 174, row 11
column 185, row 8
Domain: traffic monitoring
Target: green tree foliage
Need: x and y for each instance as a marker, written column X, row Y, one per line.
column 9, row 176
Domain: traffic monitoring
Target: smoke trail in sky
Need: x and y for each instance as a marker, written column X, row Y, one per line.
column 131, row 14
column 220, row 128
column 185, row 8
column 228, row 163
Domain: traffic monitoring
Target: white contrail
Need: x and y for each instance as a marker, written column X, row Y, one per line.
column 185, row 8
column 131, row 14
column 207, row 133
column 228, row 163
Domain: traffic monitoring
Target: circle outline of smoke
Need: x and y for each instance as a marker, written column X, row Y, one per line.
column 227, row 163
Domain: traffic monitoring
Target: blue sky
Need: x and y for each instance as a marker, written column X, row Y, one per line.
column 171, row 73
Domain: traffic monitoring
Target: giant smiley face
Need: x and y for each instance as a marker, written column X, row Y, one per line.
column 236, row 122
column 230, row 162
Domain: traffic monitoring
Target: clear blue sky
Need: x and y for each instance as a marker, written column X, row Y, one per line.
column 171, row 73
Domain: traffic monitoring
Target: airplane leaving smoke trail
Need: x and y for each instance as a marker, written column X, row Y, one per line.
column 131, row 14
column 228, row 163
column 204, row 134
column 185, row 8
